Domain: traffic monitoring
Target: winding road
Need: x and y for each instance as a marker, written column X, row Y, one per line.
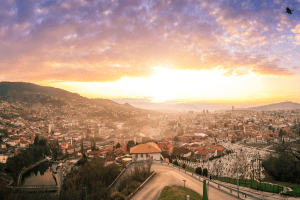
column 168, row 176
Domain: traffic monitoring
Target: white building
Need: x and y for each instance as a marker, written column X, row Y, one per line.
column 145, row 151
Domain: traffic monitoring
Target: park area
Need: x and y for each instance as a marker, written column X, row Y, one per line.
column 178, row 193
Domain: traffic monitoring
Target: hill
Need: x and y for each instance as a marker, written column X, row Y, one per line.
column 278, row 106
column 30, row 94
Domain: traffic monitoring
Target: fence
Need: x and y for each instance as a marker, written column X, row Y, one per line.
column 252, row 184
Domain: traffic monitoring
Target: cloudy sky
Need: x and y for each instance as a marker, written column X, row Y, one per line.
column 221, row 51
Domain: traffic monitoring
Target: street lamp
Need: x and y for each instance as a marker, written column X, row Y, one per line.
column 149, row 150
column 237, row 173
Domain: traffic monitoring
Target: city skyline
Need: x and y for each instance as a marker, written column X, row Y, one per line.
column 187, row 51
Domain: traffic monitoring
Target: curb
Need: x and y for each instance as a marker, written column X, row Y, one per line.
column 137, row 189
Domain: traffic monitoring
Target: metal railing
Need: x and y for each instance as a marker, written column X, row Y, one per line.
column 31, row 188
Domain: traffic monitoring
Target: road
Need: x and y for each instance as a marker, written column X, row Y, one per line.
column 168, row 176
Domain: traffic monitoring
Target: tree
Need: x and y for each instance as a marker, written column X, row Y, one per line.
column 285, row 164
column 118, row 145
column 183, row 166
column 93, row 144
column 130, row 144
column 199, row 170
column 225, row 125
column 81, row 145
column 205, row 172
column 36, row 140
column 176, row 163
column 176, row 139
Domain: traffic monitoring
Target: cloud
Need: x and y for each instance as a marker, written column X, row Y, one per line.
column 106, row 40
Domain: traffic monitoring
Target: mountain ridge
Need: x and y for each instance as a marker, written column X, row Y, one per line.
column 287, row 105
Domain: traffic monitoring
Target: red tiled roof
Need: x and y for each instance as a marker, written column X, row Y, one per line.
column 143, row 148
column 202, row 152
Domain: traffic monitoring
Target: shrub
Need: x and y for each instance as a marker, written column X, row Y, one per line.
column 205, row 172
column 122, row 196
column 176, row 163
column 199, row 170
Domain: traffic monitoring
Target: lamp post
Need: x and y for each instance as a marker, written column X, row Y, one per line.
column 149, row 150
column 237, row 174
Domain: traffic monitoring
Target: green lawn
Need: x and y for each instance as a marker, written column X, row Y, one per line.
column 294, row 187
column 178, row 193
column 252, row 184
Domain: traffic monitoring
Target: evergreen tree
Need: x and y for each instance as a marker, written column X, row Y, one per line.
column 118, row 145
column 81, row 146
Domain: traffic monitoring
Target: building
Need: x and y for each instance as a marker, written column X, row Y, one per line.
column 4, row 157
column 124, row 140
column 143, row 152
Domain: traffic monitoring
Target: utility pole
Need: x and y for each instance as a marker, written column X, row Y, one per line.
column 259, row 169
column 237, row 173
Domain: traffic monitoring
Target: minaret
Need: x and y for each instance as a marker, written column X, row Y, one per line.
column 134, row 139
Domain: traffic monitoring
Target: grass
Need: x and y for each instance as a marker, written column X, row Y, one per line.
column 256, row 145
column 294, row 187
column 187, row 168
column 120, row 166
column 178, row 193
column 255, row 185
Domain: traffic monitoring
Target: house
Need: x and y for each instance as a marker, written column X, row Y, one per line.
column 144, row 151
column 11, row 142
column 24, row 144
column 165, row 147
column 201, row 154
column 3, row 146
column 4, row 157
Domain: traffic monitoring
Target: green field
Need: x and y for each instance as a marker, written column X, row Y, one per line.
column 252, row 184
column 178, row 193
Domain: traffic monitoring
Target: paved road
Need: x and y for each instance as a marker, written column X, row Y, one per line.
column 167, row 176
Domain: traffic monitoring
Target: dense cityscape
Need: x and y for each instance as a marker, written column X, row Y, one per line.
column 149, row 100
column 79, row 131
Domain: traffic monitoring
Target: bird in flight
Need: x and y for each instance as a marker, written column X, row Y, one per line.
column 289, row 10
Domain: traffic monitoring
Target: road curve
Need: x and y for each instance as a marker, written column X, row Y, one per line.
column 168, row 176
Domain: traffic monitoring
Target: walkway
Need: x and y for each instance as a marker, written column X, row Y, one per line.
column 168, row 176
column 26, row 169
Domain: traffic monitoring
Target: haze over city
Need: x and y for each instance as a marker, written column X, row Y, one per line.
column 228, row 52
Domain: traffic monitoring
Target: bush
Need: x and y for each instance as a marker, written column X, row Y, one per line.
column 122, row 195
column 176, row 163
column 183, row 166
column 199, row 170
column 205, row 172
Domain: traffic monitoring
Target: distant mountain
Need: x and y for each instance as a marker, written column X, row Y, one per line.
column 29, row 88
column 278, row 106
column 31, row 94
column 174, row 106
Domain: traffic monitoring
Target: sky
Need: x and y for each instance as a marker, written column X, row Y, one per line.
column 216, row 51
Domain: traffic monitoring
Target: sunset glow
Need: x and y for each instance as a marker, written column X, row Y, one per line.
column 217, row 51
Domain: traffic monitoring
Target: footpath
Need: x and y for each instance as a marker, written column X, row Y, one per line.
column 26, row 169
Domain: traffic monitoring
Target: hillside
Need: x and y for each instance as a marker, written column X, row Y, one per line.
column 30, row 94
column 278, row 106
